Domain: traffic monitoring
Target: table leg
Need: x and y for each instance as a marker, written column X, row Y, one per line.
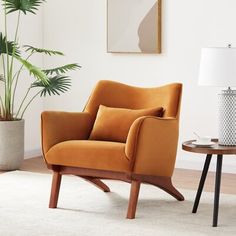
column 217, row 189
column 202, row 182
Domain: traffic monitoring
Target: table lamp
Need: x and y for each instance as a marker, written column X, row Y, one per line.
column 218, row 68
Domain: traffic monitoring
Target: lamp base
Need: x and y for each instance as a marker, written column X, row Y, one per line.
column 227, row 117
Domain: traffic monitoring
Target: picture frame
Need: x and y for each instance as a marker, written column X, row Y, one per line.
column 134, row 26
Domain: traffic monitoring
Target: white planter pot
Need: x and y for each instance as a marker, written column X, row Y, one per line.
column 11, row 144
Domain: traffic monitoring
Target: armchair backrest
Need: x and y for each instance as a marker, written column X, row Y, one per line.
column 114, row 94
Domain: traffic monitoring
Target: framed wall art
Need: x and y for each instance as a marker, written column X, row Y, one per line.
column 134, row 26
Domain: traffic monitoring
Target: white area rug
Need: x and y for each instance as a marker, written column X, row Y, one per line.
column 85, row 210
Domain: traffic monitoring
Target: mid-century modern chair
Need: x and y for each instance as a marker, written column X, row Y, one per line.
column 124, row 133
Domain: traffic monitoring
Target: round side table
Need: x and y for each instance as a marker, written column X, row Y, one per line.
column 215, row 149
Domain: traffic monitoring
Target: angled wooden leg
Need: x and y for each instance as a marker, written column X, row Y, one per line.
column 169, row 188
column 56, row 183
column 96, row 182
column 165, row 184
column 133, row 199
column 162, row 182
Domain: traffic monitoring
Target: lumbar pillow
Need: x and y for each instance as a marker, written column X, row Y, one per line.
column 113, row 124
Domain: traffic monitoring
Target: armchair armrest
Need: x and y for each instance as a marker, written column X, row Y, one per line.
column 152, row 144
column 57, row 127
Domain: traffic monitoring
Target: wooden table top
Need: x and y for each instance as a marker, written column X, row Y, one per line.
column 214, row 149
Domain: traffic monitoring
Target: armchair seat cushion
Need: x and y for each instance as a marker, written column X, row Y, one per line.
column 99, row 155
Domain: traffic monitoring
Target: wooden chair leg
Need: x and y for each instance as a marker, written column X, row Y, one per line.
column 96, row 182
column 133, row 199
column 164, row 183
column 56, row 183
column 169, row 188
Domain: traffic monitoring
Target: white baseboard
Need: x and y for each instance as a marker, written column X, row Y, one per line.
column 33, row 153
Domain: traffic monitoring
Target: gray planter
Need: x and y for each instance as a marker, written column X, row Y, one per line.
column 11, row 144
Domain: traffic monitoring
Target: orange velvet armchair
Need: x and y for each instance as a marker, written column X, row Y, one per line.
column 147, row 155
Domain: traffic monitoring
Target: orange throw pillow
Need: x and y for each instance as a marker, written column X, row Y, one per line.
column 113, row 124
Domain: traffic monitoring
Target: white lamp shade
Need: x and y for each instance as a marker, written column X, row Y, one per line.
column 218, row 67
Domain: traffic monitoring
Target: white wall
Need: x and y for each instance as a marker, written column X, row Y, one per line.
column 31, row 33
column 78, row 28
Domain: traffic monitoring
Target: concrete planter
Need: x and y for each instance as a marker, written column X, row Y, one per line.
column 11, row 144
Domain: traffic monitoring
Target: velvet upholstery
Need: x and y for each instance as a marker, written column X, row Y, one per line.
column 113, row 124
column 151, row 146
column 114, row 94
column 90, row 154
column 57, row 127
column 151, row 143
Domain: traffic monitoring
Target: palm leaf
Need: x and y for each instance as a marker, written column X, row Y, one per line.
column 35, row 71
column 42, row 50
column 56, row 85
column 62, row 69
column 22, row 5
column 7, row 47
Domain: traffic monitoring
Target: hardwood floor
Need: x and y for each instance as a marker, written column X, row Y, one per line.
column 182, row 178
column 36, row 164
column 189, row 179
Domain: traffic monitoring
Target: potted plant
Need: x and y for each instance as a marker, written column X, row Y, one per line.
column 53, row 81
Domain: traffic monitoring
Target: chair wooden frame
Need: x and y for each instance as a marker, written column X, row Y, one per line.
column 94, row 176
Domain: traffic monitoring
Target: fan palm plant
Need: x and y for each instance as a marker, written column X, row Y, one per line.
column 51, row 81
